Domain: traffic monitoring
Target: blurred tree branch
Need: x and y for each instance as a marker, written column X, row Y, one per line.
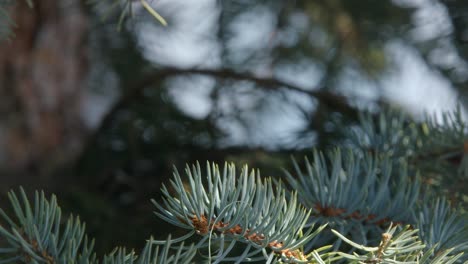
column 332, row 100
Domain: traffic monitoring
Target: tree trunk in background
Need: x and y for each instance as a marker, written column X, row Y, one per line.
column 43, row 71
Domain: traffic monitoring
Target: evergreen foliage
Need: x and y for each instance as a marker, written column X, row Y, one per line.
column 378, row 197
column 347, row 205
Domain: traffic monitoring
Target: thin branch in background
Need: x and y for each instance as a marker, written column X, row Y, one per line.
column 332, row 100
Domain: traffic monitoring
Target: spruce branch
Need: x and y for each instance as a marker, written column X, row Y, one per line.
column 443, row 228
column 391, row 132
column 37, row 235
column 152, row 255
column 225, row 208
column 359, row 194
column 397, row 245
column 435, row 147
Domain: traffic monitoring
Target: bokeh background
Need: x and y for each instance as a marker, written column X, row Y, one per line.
column 98, row 110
